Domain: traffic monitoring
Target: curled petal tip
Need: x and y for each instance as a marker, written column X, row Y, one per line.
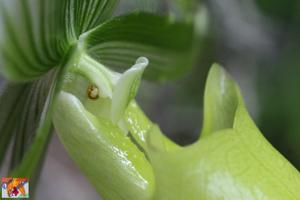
column 142, row 60
column 126, row 88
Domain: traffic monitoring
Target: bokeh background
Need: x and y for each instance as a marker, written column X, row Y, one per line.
column 257, row 41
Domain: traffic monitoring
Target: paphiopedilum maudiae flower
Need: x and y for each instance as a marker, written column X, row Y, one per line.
column 130, row 158
column 88, row 117
column 62, row 52
column 38, row 41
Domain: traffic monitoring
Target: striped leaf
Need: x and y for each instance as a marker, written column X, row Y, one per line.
column 24, row 108
column 36, row 34
column 167, row 44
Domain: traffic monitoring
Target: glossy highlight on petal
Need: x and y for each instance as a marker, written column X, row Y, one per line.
column 102, row 152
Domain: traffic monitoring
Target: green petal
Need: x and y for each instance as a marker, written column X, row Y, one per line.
column 167, row 44
column 232, row 161
column 144, row 131
column 36, row 34
column 220, row 101
column 126, row 88
column 12, row 100
column 25, row 119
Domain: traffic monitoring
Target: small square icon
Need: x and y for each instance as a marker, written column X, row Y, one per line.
column 14, row 188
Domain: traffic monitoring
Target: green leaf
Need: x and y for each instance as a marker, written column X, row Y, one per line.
column 167, row 44
column 152, row 6
column 21, row 109
column 36, row 34
column 232, row 161
column 32, row 159
column 12, row 100
column 23, row 121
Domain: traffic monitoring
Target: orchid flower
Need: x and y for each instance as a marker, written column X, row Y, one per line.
column 68, row 63
column 42, row 40
column 129, row 158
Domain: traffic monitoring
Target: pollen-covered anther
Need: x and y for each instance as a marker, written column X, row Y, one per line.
column 93, row 92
